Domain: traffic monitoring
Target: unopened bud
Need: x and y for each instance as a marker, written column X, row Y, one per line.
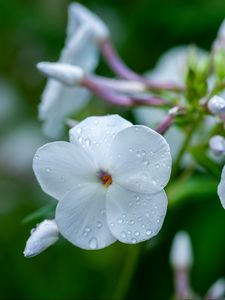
column 65, row 73
column 181, row 251
column 44, row 235
column 220, row 39
column 85, row 16
column 217, row 290
column 216, row 105
column 217, row 144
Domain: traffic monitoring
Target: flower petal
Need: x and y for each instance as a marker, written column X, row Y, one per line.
column 134, row 217
column 140, row 160
column 221, row 188
column 81, row 217
column 58, row 103
column 61, row 166
column 95, row 134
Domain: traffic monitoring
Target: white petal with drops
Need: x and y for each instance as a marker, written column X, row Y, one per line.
column 140, row 160
column 81, row 217
column 61, row 166
column 96, row 134
column 134, row 217
column 221, row 188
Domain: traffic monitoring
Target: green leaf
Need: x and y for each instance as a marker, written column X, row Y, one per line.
column 41, row 213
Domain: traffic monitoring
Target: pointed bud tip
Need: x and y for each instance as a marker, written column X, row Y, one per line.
column 181, row 251
column 65, row 73
column 42, row 237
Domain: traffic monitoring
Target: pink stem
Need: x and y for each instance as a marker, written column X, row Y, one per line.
column 182, row 285
column 111, row 96
column 165, row 124
column 121, row 69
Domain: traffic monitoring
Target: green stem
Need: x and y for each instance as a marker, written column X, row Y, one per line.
column 186, row 144
column 127, row 272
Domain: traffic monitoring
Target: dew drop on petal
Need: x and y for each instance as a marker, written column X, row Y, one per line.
column 93, row 243
column 148, row 231
column 137, row 233
column 131, row 222
column 123, row 234
column 87, row 229
column 133, row 241
column 48, row 170
column 37, row 156
column 78, row 130
column 119, row 220
column 99, row 224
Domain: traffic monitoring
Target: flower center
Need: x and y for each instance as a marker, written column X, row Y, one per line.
column 105, row 178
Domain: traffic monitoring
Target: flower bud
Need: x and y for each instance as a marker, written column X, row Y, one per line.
column 44, row 235
column 220, row 39
column 217, row 144
column 181, row 251
column 99, row 29
column 216, row 105
column 217, row 290
column 65, row 73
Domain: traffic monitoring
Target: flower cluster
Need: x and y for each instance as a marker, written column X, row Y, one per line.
column 109, row 179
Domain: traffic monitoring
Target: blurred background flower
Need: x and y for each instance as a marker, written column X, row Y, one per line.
column 33, row 31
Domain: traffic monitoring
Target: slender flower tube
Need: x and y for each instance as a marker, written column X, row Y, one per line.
column 74, row 76
column 181, row 261
column 109, row 180
column 43, row 236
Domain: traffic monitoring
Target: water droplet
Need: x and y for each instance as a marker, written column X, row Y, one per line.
column 93, row 243
column 133, row 241
column 87, row 229
column 102, row 211
column 137, row 233
column 138, row 197
column 128, row 232
column 87, row 142
column 143, row 152
column 48, row 170
column 131, row 222
column 147, row 214
column 80, row 139
column 145, row 162
column 157, row 220
column 78, row 130
column 123, row 234
column 85, row 234
column 96, row 122
column 131, row 150
column 99, row 224
column 111, row 224
column 148, row 231
column 37, row 156
column 157, row 166
column 143, row 225
column 138, row 154
column 119, row 221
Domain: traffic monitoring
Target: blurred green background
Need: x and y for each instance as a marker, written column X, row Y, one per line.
column 32, row 31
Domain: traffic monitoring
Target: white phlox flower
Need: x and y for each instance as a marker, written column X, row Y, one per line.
column 217, row 290
column 43, row 236
column 221, row 188
column 109, row 181
column 181, row 252
column 60, row 101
